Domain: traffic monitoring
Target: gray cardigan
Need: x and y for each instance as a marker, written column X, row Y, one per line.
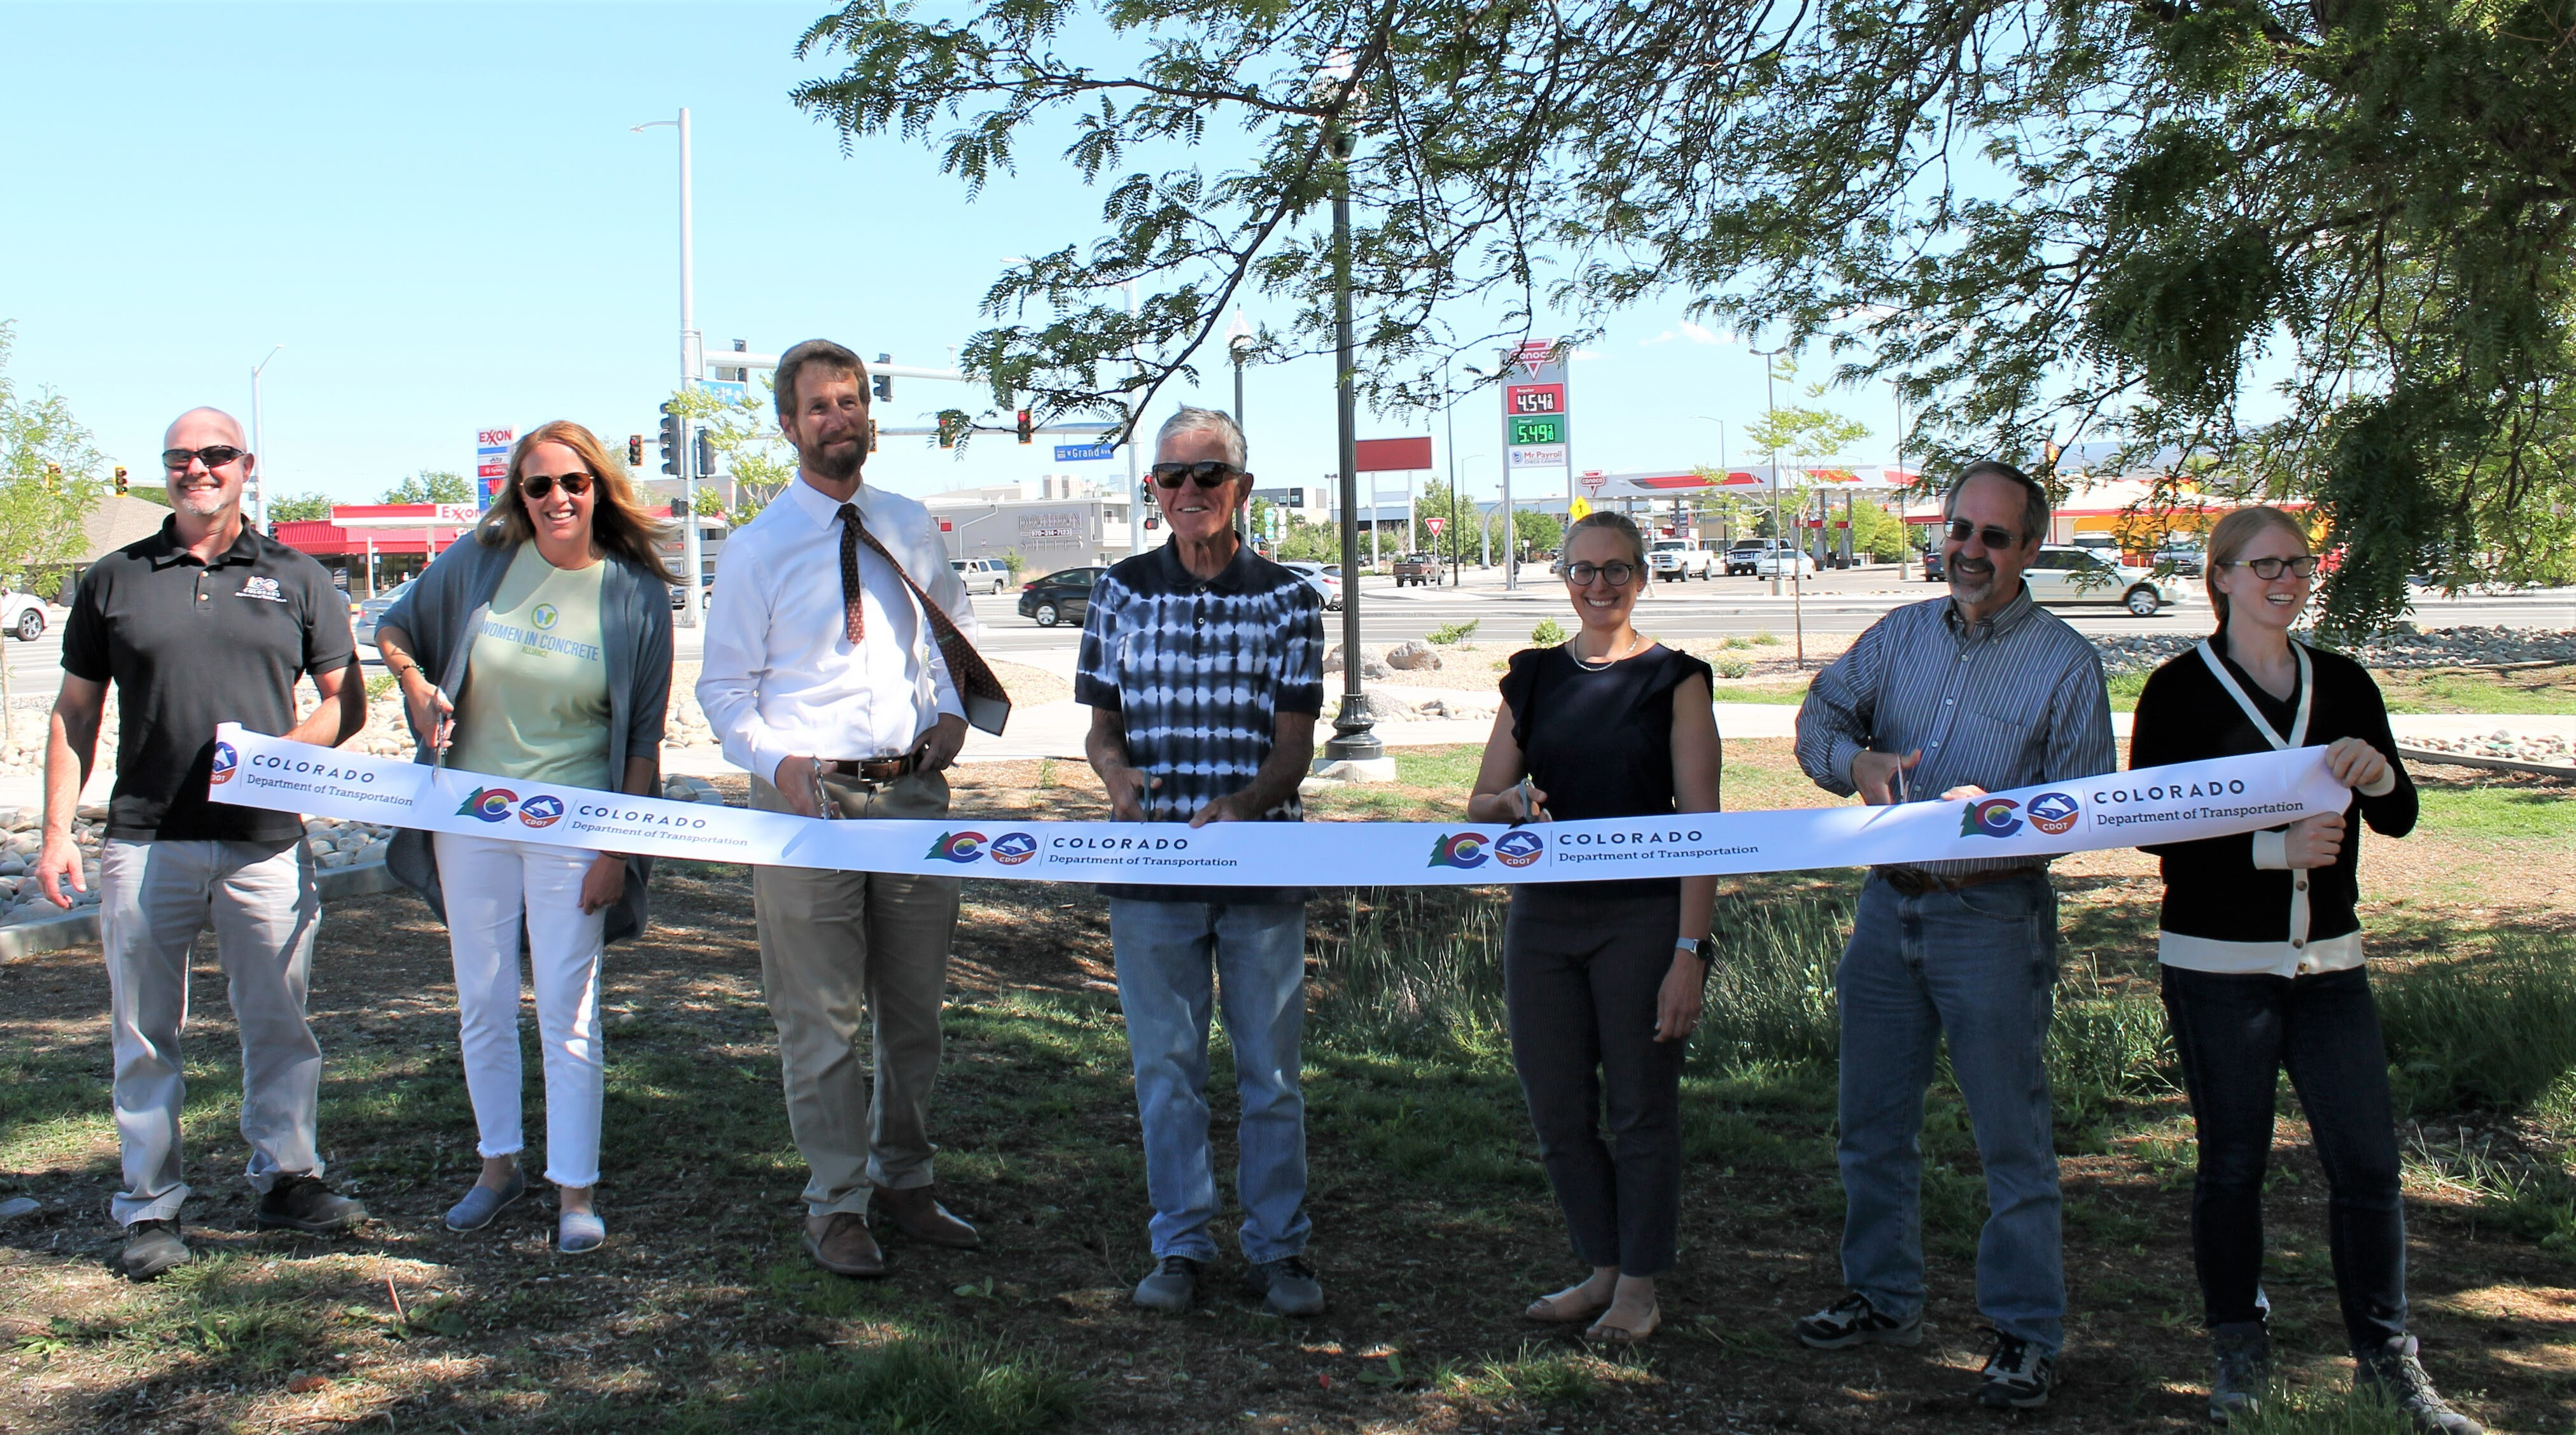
column 442, row 612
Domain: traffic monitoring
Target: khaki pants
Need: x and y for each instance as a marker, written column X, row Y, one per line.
column 828, row 941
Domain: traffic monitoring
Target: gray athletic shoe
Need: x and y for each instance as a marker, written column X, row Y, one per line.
column 1854, row 1321
column 152, row 1247
column 2395, row 1373
column 1172, row 1286
column 2244, row 1352
column 1287, row 1285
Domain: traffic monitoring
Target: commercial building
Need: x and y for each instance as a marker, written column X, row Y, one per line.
column 1051, row 522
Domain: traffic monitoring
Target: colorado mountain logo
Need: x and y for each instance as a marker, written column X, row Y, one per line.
column 1465, row 849
column 956, row 847
column 2053, row 813
column 1989, row 817
column 541, row 810
column 488, row 804
column 226, row 760
column 1013, row 848
column 544, row 616
column 1519, row 848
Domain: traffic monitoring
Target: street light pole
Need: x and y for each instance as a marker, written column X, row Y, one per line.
column 691, row 356
column 1457, row 540
column 257, row 503
column 1353, row 739
column 1238, row 342
column 1770, row 417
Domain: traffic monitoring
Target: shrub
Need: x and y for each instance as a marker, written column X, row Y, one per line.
column 1448, row 633
column 2495, row 1034
column 1733, row 668
column 1547, row 634
column 1766, row 639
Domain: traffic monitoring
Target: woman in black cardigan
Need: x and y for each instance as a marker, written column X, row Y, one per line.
column 2261, row 950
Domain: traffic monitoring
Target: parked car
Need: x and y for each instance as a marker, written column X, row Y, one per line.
column 1679, row 559
column 1060, row 597
column 2065, row 573
column 1324, row 578
column 371, row 611
column 1932, row 565
column 706, row 592
column 982, row 575
column 22, row 615
column 1783, row 563
column 1745, row 553
column 1417, row 569
column 2184, row 560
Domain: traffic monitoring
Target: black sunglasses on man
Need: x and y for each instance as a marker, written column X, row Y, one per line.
column 212, row 456
column 1212, row 473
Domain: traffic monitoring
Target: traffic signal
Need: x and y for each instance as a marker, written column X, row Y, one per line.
column 706, row 453
column 53, row 474
column 881, row 386
column 635, row 450
column 952, row 424
column 680, row 506
column 1028, row 430
column 120, row 478
column 872, row 435
column 671, row 438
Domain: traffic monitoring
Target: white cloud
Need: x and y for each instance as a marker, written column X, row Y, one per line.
column 1584, row 354
column 1698, row 335
column 1665, row 337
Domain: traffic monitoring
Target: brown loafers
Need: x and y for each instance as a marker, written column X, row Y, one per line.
column 918, row 1214
column 840, row 1243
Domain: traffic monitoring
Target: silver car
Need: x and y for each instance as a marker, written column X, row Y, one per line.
column 2065, row 573
column 372, row 611
column 1324, row 578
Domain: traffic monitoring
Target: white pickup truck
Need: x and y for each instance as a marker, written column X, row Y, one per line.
column 1676, row 559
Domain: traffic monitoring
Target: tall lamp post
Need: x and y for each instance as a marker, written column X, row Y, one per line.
column 1770, row 416
column 691, row 358
column 258, row 484
column 1238, row 344
column 1353, row 739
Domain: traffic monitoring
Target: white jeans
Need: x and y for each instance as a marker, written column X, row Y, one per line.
column 490, row 885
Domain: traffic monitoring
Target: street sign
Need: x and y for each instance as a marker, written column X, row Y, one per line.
column 1435, row 524
column 732, row 391
column 1084, row 452
column 1579, row 509
column 491, row 463
column 1539, row 428
column 1593, row 479
column 1542, row 455
column 1534, row 398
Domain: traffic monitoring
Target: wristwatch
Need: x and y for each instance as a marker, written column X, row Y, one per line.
column 1700, row 947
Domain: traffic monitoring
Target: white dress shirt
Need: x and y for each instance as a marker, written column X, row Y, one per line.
column 780, row 677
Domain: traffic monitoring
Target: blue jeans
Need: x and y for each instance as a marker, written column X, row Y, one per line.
column 1166, row 954
column 1979, row 966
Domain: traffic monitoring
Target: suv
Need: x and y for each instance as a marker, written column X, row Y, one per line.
column 1679, row 559
column 2065, row 573
column 1744, row 553
column 1417, row 569
column 1324, row 578
column 982, row 575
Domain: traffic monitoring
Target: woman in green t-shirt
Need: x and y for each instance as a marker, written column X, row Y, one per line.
column 550, row 636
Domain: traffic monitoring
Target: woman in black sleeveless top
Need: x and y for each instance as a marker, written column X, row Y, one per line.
column 1602, row 979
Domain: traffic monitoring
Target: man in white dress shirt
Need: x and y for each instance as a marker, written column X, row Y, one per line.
column 823, row 678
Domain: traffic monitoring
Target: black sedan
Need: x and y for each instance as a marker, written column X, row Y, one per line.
column 1060, row 597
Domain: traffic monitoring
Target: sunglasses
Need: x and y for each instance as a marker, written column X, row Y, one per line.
column 1961, row 530
column 1582, row 574
column 538, row 485
column 2268, row 569
column 1214, row 473
column 212, row 456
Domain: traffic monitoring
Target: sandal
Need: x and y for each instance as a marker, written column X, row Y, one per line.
column 1546, row 1309
column 1623, row 1335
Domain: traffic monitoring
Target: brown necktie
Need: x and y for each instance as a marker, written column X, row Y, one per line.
column 974, row 677
column 854, row 618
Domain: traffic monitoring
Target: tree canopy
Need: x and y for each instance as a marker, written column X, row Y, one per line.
column 431, row 485
column 2045, row 221
column 51, row 477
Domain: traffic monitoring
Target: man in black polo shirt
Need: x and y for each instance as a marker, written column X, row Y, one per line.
column 205, row 622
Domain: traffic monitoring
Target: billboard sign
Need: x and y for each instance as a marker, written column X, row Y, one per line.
column 491, row 463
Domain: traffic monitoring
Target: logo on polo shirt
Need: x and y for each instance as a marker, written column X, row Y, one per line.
column 262, row 588
column 488, row 804
column 1464, row 849
column 2053, row 813
column 541, row 810
column 225, row 761
column 957, row 847
column 1517, row 848
column 1013, row 848
column 544, row 615
column 1990, row 817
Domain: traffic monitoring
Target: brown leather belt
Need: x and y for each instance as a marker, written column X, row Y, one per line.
column 1915, row 882
column 872, row 769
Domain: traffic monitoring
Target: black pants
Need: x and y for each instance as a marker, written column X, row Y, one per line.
column 1580, row 977
column 2234, row 1034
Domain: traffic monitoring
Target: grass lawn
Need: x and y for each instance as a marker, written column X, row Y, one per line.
column 1433, row 1225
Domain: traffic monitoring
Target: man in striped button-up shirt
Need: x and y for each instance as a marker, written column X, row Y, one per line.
column 1976, row 692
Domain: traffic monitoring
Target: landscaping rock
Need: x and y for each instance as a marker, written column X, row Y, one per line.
column 1411, row 654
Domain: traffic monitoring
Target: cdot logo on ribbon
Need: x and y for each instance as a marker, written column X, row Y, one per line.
column 956, row 847
column 1013, row 848
column 2053, row 813
column 1518, row 848
column 226, row 760
column 542, row 810
column 1464, row 849
column 1990, row 817
column 488, row 804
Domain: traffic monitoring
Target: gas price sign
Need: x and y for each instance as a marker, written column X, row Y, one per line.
column 1534, row 398
column 1542, row 428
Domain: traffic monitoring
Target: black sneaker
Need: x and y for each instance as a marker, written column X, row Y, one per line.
column 1172, row 1286
column 1854, row 1321
column 2244, row 1354
column 303, row 1203
column 152, row 1247
column 1287, row 1285
column 2018, row 1377
column 2393, row 1371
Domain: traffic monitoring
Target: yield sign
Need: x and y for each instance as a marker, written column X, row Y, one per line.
column 1435, row 524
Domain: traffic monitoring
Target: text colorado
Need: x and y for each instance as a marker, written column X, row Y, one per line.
column 1625, row 839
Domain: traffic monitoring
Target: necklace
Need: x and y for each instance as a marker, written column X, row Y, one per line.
column 1602, row 662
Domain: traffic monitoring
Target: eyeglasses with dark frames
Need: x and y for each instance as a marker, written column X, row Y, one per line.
column 1582, row 574
column 1961, row 530
column 212, row 456
column 538, row 485
column 2268, row 569
column 1213, row 473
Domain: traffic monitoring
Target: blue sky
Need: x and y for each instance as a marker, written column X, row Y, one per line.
column 442, row 214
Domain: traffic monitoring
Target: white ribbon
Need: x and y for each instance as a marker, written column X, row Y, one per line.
column 2120, row 809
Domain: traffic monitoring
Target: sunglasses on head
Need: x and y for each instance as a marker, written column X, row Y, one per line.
column 1214, row 473
column 1582, row 574
column 212, row 456
column 538, row 485
column 2268, row 569
column 1961, row 530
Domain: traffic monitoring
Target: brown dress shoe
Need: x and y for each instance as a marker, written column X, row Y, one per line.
column 840, row 1243
column 918, row 1214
